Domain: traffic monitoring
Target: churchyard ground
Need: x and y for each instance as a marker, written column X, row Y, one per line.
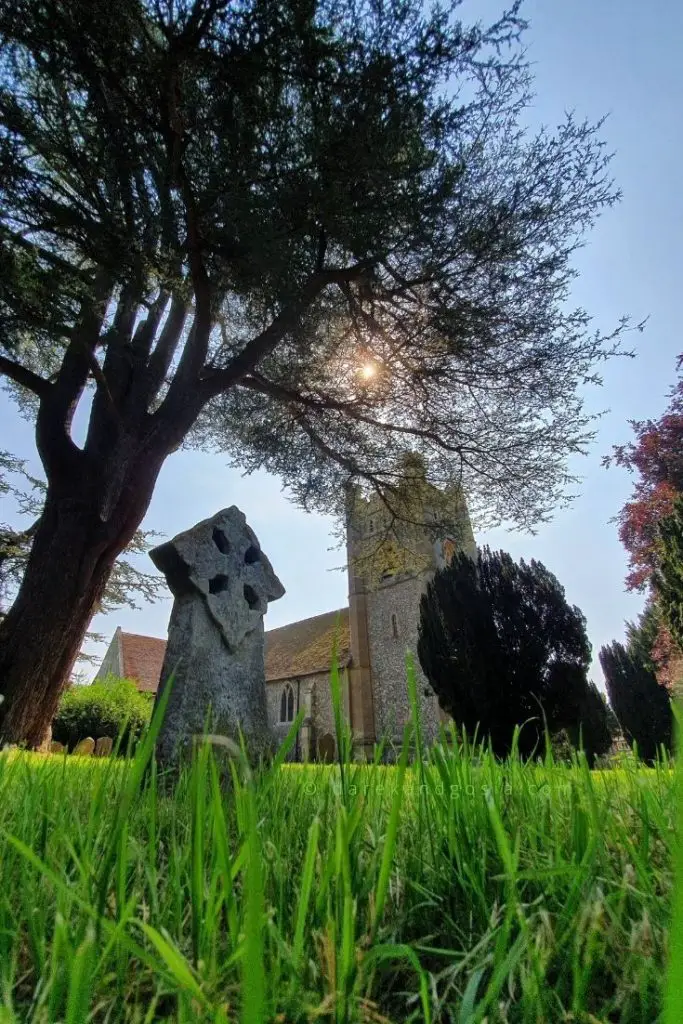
column 460, row 889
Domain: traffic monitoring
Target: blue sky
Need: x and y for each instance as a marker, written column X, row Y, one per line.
column 596, row 57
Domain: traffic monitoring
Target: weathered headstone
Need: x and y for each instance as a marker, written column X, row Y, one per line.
column 56, row 748
column 326, row 748
column 222, row 583
column 85, row 748
column 104, row 746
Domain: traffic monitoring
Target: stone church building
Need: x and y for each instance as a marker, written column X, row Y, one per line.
column 391, row 555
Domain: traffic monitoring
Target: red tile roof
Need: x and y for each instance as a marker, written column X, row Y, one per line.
column 142, row 658
column 299, row 649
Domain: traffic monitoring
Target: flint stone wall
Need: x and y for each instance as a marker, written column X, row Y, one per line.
column 388, row 657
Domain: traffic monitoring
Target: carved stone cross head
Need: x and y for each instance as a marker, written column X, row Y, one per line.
column 220, row 560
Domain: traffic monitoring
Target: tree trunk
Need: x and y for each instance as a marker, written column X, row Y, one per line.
column 42, row 633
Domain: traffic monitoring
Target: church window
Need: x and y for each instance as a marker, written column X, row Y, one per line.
column 394, row 626
column 287, row 704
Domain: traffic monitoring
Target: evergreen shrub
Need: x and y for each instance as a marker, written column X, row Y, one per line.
column 113, row 707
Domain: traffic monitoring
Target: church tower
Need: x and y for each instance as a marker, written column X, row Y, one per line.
column 392, row 554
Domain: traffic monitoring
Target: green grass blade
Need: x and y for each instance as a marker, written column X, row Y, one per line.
column 81, row 982
column 254, row 975
column 382, row 886
column 139, row 765
column 176, row 964
column 673, row 994
column 306, row 888
column 401, row 951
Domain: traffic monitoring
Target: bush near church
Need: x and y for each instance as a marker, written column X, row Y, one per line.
column 502, row 648
column 113, row 708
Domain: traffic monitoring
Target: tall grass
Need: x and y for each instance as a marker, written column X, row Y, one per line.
column 452, row 887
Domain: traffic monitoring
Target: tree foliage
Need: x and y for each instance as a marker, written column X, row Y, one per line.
column 656, row 457
column 642, row 637
column 669, row 576
column 502, row 648
column 237, row 205
column 113, row 708
column 650, row 643
column 641, row 704
column 595, row 727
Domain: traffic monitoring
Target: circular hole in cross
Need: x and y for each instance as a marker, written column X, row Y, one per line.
column 252, row 554
column 218, row 584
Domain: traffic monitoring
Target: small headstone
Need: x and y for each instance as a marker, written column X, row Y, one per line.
column 85, row 748
column 44, row 747
column 57, row 748
column 222, row 583
column 104, row 746
column 326, row 748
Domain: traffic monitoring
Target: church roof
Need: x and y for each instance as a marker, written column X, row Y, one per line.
column 304, row 648
column 299, row 649
column 142, row 658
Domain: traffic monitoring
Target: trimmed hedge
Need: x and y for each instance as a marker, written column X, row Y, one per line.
column 113, row 707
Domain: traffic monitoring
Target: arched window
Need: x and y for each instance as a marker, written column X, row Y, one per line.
column 287, row 704
column 394, row 626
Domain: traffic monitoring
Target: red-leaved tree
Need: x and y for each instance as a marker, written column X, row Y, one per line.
column 656, row 456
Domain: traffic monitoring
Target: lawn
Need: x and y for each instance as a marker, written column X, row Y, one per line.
column 462, row 889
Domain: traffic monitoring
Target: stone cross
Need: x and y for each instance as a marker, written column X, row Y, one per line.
column 222, row 583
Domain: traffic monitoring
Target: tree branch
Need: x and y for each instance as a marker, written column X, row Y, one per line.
column 346, row 463
column 78, row 358
column 258, row 348
column 256, row 382
column 351, row 466
column 146, row 330
column 24, row 377
column 194, row 355
column 162, row 355
column 56, row 448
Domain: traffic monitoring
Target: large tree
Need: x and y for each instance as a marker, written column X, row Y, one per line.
column 641, row 704
column 501, row 648
column 314, row 234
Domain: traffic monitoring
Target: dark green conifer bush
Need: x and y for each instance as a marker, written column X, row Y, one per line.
column 113, row 707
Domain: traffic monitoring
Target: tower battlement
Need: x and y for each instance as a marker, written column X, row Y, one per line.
column 416, row 529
